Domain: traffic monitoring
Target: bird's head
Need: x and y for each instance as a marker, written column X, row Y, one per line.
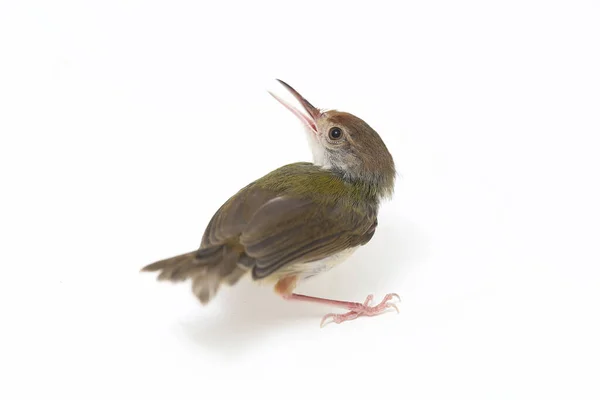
column 345, row 144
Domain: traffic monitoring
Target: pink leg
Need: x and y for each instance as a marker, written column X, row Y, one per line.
column 356, row 309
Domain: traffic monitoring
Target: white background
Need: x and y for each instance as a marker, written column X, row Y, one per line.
column 125, row 124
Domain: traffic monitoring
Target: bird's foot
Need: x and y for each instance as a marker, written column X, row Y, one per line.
column 363, row 309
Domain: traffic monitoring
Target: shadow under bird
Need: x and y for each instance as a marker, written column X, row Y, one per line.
column 299, row 220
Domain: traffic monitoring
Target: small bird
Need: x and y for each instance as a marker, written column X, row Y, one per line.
column 299, row 220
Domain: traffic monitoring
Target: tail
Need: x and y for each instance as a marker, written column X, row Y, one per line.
column 207, row 268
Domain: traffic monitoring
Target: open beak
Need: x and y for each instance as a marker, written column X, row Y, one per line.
column 309, row 120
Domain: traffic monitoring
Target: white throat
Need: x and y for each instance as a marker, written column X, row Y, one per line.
column 319, row 153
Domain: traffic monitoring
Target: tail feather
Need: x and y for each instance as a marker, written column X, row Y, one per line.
column 207, row 268
column 173, row 269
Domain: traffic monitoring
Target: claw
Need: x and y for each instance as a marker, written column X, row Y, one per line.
column 393, row 306
column 324, row 319
column 396, row 296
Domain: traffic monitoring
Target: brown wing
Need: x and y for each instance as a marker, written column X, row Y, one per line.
column 274, row 231
column 287, row 231
column 233, row 216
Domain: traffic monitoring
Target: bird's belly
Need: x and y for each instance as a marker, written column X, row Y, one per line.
column 310, row 269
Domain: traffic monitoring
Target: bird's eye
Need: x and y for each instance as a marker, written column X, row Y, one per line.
column 335, row 133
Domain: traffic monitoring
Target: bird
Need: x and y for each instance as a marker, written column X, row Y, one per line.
column 299, row 220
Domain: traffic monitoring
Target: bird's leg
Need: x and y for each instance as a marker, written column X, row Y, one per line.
column 286, row 285
column 356, row 309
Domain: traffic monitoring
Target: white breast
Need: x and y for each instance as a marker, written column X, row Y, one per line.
column 310, row 269
column 313, row 268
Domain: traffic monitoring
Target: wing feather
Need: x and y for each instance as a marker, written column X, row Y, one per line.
column 271, row 230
